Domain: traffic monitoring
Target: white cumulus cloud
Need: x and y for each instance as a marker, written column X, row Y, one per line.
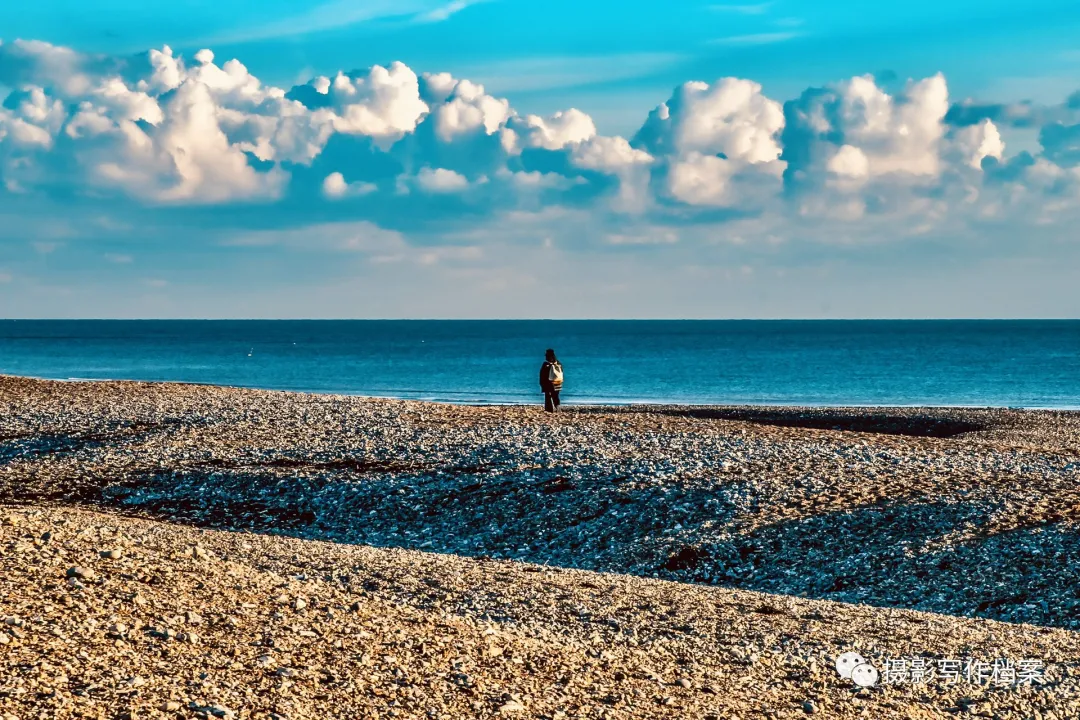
column 441, row 180
column 375, row 145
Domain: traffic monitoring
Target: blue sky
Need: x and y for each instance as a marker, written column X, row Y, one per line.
column 630, row 159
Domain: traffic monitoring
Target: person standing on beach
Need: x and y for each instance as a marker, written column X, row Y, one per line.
column 551, row 380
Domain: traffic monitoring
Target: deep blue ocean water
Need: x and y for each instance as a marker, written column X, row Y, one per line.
column 978, row 363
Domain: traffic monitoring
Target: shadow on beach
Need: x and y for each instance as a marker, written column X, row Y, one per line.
column 849, row 420
column 955, row 557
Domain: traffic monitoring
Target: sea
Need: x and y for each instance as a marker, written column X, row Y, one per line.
column 982, row 363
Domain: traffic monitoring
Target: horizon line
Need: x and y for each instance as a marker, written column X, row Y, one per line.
column 538, row 319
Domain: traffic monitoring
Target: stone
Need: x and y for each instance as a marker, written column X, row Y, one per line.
column 113, row 554
column 164, row 633
column 511, row 706
column 81, row 573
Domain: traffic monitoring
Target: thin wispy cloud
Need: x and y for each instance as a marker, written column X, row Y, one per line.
column 446, row 11
column 664, row 237
column 752, row 9
column 344, row 13
column 755, row 39
column 549, row 73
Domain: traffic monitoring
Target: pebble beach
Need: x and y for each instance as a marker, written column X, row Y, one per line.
column 183, row 551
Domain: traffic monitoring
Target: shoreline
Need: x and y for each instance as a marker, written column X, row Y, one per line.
column 601, row 403
column 615, row 551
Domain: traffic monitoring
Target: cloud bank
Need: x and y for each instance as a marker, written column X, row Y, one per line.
column 448, row 169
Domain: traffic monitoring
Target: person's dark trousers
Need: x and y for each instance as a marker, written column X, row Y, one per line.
column 551, row 401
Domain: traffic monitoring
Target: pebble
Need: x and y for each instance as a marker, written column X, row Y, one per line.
column 113, row 554
column 511, row 706
column 81, row 573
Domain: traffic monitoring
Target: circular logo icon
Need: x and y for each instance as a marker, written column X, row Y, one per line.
column 864, row 675
column 848, row 662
